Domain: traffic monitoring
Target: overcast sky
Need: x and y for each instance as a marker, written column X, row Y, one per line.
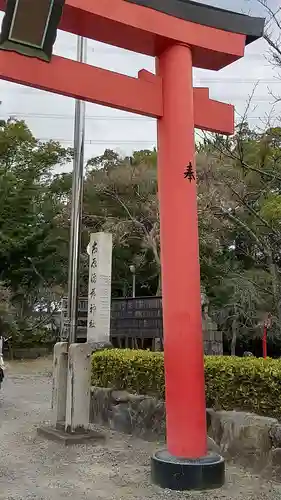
column 52, row 116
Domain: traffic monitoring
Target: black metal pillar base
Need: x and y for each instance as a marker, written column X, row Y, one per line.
column 182, row 474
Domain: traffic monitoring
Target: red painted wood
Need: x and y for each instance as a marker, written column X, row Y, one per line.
column 212, row 115
column 183, row 341
column 142, row 95
column 147, row 31
column 67, row 77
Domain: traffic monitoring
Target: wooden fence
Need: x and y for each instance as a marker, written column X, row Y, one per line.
column 135, row 323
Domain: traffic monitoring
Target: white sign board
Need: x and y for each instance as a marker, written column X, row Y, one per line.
column 99, row 296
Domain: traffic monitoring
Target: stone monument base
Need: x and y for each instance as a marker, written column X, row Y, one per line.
column 81, row 436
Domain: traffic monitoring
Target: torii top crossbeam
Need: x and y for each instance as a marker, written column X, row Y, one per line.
column 148, row 26
column 217, row 38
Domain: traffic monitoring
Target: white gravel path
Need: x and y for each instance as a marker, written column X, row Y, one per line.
column 32, row 468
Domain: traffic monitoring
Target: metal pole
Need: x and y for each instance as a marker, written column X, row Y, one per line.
column 76, row 205
column 133, row 271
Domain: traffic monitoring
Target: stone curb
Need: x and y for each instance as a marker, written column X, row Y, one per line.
column 251, row 440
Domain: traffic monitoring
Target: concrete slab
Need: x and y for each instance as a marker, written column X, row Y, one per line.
column 67, row 438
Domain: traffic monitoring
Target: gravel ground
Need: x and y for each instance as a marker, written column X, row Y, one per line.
column 32, row 468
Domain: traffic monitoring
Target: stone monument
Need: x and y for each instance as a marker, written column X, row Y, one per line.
column 99, row 295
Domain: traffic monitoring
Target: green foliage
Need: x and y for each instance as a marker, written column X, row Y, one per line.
column 7, row 312
column 38, row 337
column 28, row 232
column 248, row 384
column 239, row 208
column 271, row 208
column 120, row 197
column 239, row 220
column 135, row 371
column 32, row 241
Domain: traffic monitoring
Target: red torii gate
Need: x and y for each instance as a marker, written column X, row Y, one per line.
column 180, row 34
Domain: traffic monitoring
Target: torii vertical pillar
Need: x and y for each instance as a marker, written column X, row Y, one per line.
column 186, row 463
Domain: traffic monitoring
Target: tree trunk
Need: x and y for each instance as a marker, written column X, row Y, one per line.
column 152, row 243
column 159, row 287
column 234, row 337
column 275, row 285
column 11, row 350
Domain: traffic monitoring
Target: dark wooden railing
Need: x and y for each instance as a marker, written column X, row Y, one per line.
column 135, row 323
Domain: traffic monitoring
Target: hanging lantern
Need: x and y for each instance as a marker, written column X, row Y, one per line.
column 30, row 27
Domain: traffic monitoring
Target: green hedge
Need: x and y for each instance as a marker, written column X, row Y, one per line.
column 248, row 384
